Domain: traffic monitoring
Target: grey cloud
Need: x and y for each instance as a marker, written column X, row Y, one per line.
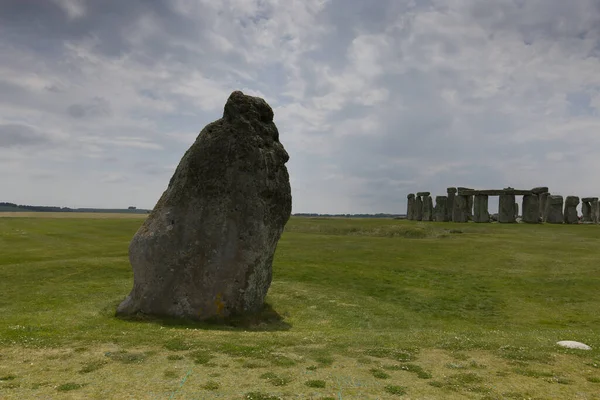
column 97, row 107
column 14, row 135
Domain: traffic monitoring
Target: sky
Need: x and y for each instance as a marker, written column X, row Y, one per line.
column 373, row 99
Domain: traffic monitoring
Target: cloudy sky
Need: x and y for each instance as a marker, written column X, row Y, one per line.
column 373, row 99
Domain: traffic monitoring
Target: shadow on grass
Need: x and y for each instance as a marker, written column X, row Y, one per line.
column 266, row 320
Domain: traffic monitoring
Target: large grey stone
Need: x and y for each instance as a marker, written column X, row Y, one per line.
column 531, row 209
column 418, row 212
column 506, row 208
column 480, row 212
column 206, row 250
column 539, row 190
column 470, row 207
column 460, row 212
column 543, row 199
column 570, row 214
column 516, row 210
column 450, row 206
column 427, row 208
column 571, row 344
column 440, row 212
column 410, row 206
column 423, row 194
column 554, row 212
column 586, row 209
column 595, row 210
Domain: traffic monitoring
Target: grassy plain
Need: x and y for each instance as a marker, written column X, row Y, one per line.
column 360, row 309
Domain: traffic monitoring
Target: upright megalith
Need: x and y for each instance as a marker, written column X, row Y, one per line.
column 207, row 248
column 418, row 212
column 440, row 212
column 516, row 210
column 506, row 208
column 460, row 212
column 531, row 209
column 570, row 215
column 587, row 215
column 543, row 200
column 427, row 208
column 410, row 206
column 595, row 210
column 480, row 211
column 450, row 204
column 554, row 212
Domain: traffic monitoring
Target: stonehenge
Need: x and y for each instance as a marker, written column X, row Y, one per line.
column 570, row 214
column 506, row 208
column 462, row 204
column 480, row 212
column 531, row 209
column 589, row 209
column 410, row 206
column 440, row 211
column 450, row 202
column 418, row 212
column 427, row 208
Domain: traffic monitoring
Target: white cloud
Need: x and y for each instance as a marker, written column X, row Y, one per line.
column 371, row 102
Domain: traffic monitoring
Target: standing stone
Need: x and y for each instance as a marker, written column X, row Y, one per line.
column 460, row 212
column 543, row 199
column 470, row 203
column 587, row 204
column 554, row 212
column 450, row 205
column 516, row 210
column 410, row 207
column 595, row 210
column 531, row 209
column 506, row 208
column 440, row 213
column 570, row 215
column 418, row 211
column 480, row 213
column 427, row 208
column 206, row 249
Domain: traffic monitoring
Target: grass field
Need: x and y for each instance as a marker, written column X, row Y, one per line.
column 360, row 309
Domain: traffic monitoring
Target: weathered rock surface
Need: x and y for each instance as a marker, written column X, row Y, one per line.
column 506, row 208
column 410, row 207
column 539, row 190
column 470, row 207
column 531, row 209
column 427, row 208
column 440, row 212
column 586, row 208
column 570, row 214
column 571, row 344
column 418, row 211
column 595, row 210
column 450, row 205
column 554, row 213
column 543, row 199
column 207, row 248
column 460, row 213
column 480, row 212
column 423, row 194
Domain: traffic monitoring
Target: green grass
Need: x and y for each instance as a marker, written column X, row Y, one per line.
column 477, row 312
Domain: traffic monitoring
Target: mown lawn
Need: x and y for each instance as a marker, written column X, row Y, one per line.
column 358, row 309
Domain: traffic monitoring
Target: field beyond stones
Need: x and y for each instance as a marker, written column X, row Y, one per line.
column 358, row 309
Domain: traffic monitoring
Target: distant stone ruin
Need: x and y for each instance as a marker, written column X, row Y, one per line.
column 465, row 204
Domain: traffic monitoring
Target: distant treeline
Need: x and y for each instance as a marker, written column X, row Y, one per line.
column 379, row 215
column 4, row 206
